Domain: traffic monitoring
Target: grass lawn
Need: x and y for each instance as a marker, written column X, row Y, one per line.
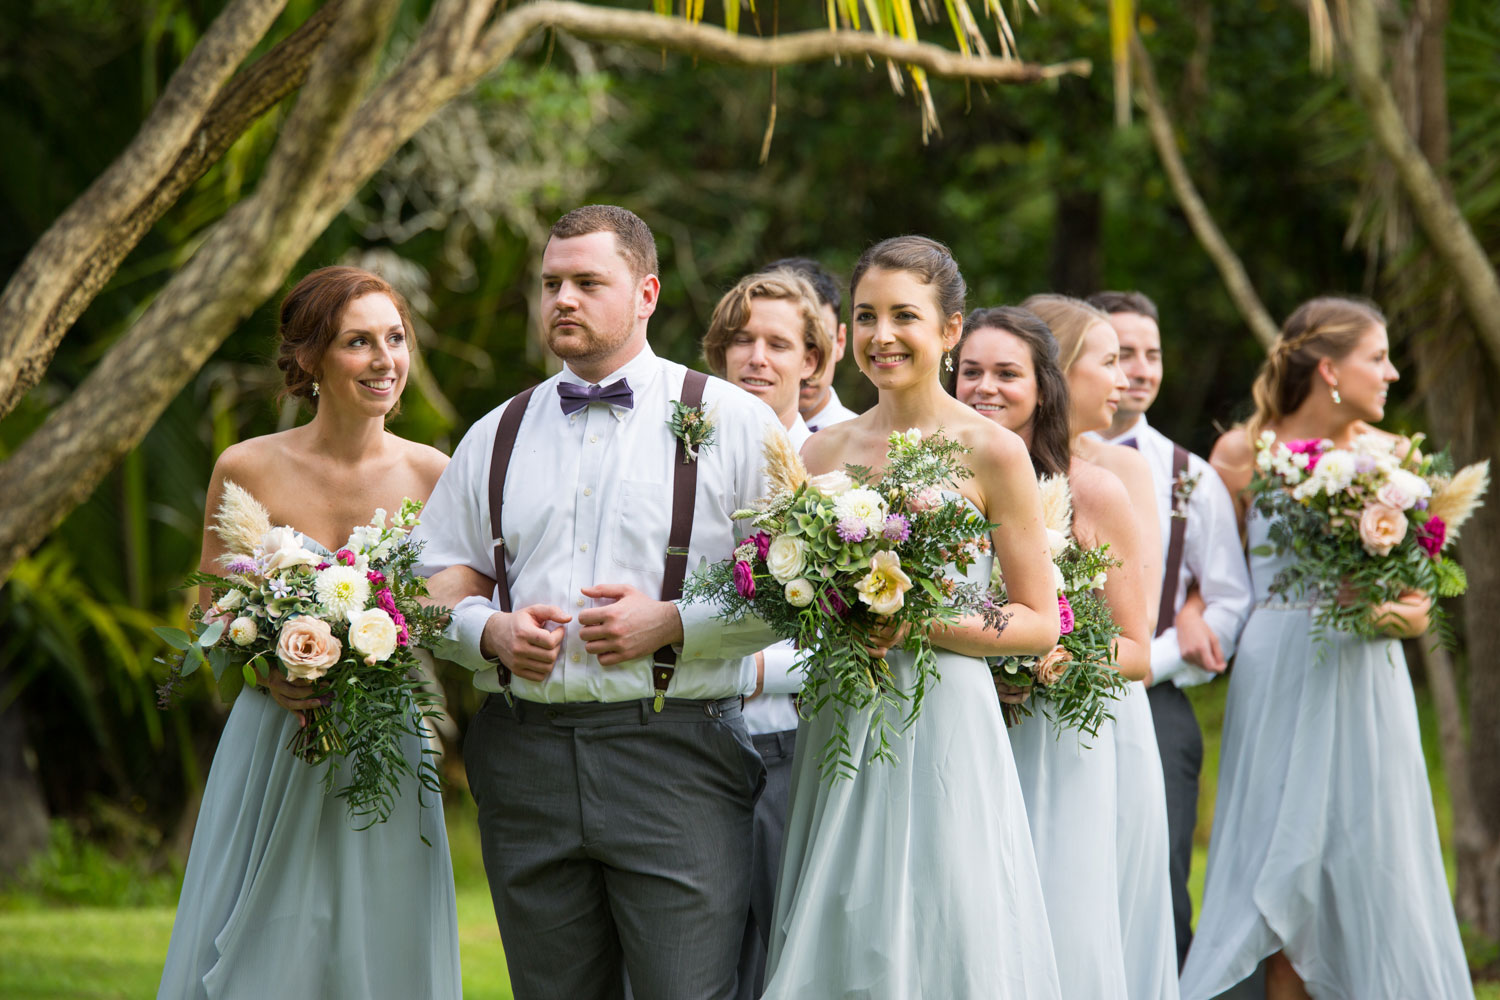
column 50, row 951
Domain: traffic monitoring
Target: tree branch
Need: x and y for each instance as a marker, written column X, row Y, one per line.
column 1164, row 138
column 71, row 262
column 316, row 169
column 1447, row 231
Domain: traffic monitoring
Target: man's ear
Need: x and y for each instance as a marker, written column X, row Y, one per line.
column 647, row 296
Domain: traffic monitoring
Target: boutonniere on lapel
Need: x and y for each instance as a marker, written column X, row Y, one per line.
column 1182, row 491
column 694, row 428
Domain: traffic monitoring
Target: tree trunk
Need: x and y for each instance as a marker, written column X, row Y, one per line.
column 1076, row 234
column 23, row 821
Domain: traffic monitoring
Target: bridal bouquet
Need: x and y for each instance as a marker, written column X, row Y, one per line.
column 1077, row 680
column 1365, row 525
column 350, row 621
column 837, row 557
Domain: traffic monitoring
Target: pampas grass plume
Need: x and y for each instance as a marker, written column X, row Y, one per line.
column 1456, row 501
column 240, row 522
column 784, row 466
column 1057, row 504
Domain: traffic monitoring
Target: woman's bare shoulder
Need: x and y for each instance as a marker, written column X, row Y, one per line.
column 824, row 451
column 1232, row 449
column 254, row 461
column 426, row 462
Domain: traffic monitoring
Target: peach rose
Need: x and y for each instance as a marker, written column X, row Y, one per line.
column 307, row 648
column 1050, row 668
column 1381, row 528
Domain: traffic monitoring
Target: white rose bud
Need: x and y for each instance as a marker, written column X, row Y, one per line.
column 786, row 558
column 231, row 600
column 832, row 484
column 243, row 631
column 799, row 593
column 372, row 634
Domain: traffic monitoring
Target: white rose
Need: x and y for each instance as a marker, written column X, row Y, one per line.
column 799, row 593
column 233, row 599
column 283, row 549
column 1403, row 489
column 372, row 633
column 243, row 631
column 832, row 484
column 786, row 558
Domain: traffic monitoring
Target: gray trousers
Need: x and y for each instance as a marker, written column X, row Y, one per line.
column 1180, row 741
column 777, row 750
column 615, row 835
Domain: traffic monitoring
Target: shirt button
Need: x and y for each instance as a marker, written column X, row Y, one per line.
column 580, row 602
column 584, row 547
column 588, row 491
column 593, row 439
column 576, row 657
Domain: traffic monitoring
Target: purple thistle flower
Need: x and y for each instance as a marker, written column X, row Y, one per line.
column 897, row 528
column 242, row 565
column 762, row 540
column 852, row 529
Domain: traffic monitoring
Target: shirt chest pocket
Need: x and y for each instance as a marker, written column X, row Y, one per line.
column 643, row 521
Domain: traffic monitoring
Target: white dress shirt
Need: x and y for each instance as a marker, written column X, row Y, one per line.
column 773, row 711
column 1211, row 555
column 588, row 500
column 832, row 412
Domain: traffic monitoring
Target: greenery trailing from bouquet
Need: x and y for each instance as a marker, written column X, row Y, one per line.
column 1364, row 525
column 350, row 622
column 839, row 557
column 1076, row 683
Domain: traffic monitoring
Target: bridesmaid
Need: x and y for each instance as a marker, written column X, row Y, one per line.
column 1007, row 370
column 283, row 897
column 1089, row 351
column 1325, row 857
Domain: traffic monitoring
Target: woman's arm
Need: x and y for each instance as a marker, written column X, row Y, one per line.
column 1104, row 516
column 1008, row 490
column 1132, row 469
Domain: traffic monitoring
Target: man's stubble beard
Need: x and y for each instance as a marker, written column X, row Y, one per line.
column 587, row 343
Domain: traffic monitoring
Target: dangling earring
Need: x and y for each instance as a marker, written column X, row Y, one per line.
column 948, row 361
column 315, row 390
column 1335, row 390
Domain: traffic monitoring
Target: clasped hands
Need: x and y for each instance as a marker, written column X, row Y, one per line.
column 631, row 626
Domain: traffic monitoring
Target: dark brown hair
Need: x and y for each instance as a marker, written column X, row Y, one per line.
column 633, row 237
column 1050, row 446
column 310, row 318
column 733, row 312
column 1326, row 327
column 1125, row 302
column 926, row 258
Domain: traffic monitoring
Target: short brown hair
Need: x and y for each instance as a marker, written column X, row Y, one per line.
column 310, row 316
column 1125, row 302
column 928, row 259
column 733, row 312
column 633, row 237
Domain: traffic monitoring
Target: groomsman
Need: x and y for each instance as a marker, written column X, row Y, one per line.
column 1205, row 596
column 819, row 402
column 613, row 772
column 768, row 337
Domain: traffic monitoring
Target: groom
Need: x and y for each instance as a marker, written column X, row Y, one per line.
column 613, row 773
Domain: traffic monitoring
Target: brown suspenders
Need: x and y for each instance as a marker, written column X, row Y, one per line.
column 684, row 495
column 1167, row 613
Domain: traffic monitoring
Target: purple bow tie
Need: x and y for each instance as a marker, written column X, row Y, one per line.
column 1129, row 443
column 576, row 397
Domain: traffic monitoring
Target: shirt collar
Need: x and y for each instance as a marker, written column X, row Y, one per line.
column 828, row 404
column 640, row 371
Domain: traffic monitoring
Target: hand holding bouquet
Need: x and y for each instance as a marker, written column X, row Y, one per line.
column 1365, row 525
column 350, row 621
column 1076, row 681
column 841, row 561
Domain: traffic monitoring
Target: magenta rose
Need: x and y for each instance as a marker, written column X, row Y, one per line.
column 1311, row 447
column 762, row 540
column 345, row 557
column 744, row 579
column 1065, row 613
column 1432, row 535
column 832, row 603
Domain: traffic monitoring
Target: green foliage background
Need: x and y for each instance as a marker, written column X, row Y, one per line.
column 1033, row 187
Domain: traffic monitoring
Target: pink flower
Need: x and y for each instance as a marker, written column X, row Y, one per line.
column 1050, row 668
column 744, row 579
column 1065, row 613
column 833, row 603
column 386, row 601
column 897, row 528
column 928, row 499
column 762, row 540
column 375, row 577
column 852, row 529
column 345, row 556
column 240, row 566
column 307, row 648
column 320, row 567
column 1432, row 535
column 1381, row 528
column 1311, row 447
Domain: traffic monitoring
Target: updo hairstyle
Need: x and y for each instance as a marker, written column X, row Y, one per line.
column 928, row 259
column 1326, row 327
column 310, row 318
